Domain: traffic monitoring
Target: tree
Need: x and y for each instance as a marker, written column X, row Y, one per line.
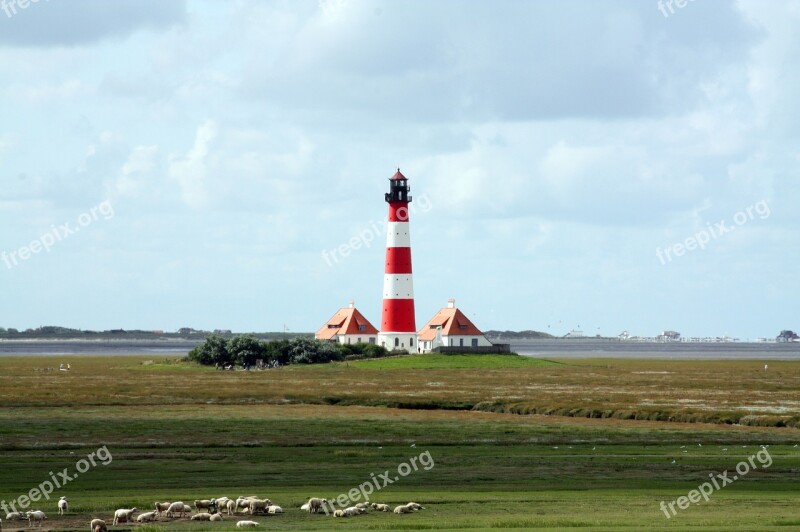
column 245, row 350
column 211, row 352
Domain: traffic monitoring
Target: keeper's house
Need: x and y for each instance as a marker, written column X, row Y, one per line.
column 450, row 328
column 348, row 326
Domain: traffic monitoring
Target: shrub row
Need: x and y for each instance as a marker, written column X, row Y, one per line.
column 248, row 351
column 683, row 416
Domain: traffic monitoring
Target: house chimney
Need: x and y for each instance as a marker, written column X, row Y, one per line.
column 451, row 303
column 352, row 303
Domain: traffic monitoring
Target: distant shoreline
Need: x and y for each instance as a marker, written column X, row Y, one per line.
column 540, row 348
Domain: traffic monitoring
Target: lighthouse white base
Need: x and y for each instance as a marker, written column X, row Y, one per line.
column 398, row 341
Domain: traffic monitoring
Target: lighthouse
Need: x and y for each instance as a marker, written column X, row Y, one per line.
column 398, row 326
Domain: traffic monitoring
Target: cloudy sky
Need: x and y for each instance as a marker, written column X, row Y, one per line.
column 602, row 165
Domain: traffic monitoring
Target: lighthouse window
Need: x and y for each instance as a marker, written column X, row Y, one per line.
column 411, row 342
column 396, row 342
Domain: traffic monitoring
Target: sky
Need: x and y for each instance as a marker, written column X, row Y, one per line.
column 595, row 165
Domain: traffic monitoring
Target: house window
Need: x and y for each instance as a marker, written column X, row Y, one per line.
column 462, row 325
column 396, row 342
column 411, row 342
column 474, row 342
column 461, row 340
column 372, row 339
column 362, row 328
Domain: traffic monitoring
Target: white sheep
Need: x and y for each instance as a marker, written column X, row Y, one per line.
column 161, row 506
column 176, row 507
column 315, row 504
column 259, row 505
column 222, row 504
column 123, row 515
column 206, row 504
column 304, row 507
column 216, row 517
column 98, row 525
column 202, row 516
column 339, row 513
column 37, row 516
column 246, row 524
column 15, row 516
column 243, row 503
column 273, row 509
column 352, row 510
column 232, row 506
column 363, row 505
column 146, row 517
column 63, row 505
column 381, row 507
column 402, row 509
column 415, row 507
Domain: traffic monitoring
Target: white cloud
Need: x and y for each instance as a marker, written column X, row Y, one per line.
column 191, row 170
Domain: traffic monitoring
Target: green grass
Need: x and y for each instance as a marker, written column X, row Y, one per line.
column 434, row 361
column 180, row 432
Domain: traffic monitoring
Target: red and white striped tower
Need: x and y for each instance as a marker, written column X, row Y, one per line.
column 398, row 326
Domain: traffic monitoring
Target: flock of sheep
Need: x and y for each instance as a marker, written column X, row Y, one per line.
column 211, row 510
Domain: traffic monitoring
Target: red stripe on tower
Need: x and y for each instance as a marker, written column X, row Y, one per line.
column 398, row 326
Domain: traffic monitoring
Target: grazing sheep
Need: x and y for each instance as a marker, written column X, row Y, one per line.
column 315, row 504
column 161, row 506
column 37, row 516
column 216, row 517
column 202, row 516
column 274, row 509
column 260, row 505
column 243, row 503
column 222, row 504
column 175, row 507
column 123, row 515
column 381, row 507
column 63, row 505
column 206, row 504
column 402, row 509
column 246, row 524
column 147, row 517
column 98, row 525
column 232, row 506
column 415, row 507
column 339, row 513
column 15, row 516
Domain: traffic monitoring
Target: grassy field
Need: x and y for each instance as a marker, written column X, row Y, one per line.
column 179, row 432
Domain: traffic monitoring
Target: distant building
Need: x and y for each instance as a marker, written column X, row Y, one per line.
column 450, row 328
column 670, row 336
column 348, row 326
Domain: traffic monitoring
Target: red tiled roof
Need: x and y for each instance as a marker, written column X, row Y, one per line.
column 451, row 321
column 397, row 176
column 347, row 320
